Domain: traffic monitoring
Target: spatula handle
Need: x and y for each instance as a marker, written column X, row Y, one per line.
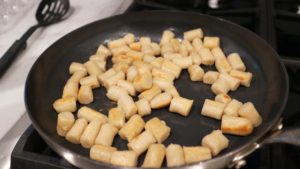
column 10, row 55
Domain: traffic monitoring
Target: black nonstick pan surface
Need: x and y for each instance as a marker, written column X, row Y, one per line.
column 268, row 90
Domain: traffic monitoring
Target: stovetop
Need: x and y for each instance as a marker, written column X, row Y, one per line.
column 276, row 21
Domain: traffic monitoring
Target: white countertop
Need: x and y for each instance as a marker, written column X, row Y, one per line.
column 12, row 107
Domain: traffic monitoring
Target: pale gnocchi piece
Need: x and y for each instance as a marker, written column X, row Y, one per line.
column 244, row 77
column 155, row 48
column 142, row 67
column 223, row 98
column 218, row 53
column 174, row 155
column 161, row 100
column 220, row 86
column 206, row 57
column 116, row 43
column 172, row 90
column 115, row 92
column 166, row 37
column 101, row 64
column 74, row 67
column 171, row 56
column 128, row 106
column 175, row 44
column 166, row 48
column 192, row 34
column 133, row 127
column 232, row 108
column 162, row 74
column 70, row 89
column 107, row 77
column 188, row 45
column 148, row 58
column 129, row 38
column 210, row 77
column 215, row 141
column 157, row 62
column 155, row 156
column 89, row 134
column 143, row 107
column 163, row 84
column 127, row 86
column 171, row 67
column 196, row 73
column 141, row 142
column 212, row 109
column 120, row 50
column 158, row 128
column 74, row 134
column 249, row 112
column 85, row 95
column 142, row 82
column 194, row 154
column 196, row 58
column 131, row 73
column 183, row 50
column 222, row 65
column 122, row 58
column 121, row 66
column 65, row 121
column 116, row 117
column 77, row 76
column 97, row 57
column 150, row 93
column 236, row 62
column 91, row 80
column 67, row 104
column 109, row 73
column 103, row 51
column 113, row 80
column 106, row 135
column 91, row 114
column 92, row 68
column 102, row 153
column 145, row 40
column 146, row 45
column 135, row 55
column 124, row 158
column 137, row 46
column 183, row 62
column 211, row 42
column 197, row 44
column 236, row 125
column 181, row 105
column 232, row 82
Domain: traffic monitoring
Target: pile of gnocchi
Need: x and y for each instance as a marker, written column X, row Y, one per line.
column 141, row 79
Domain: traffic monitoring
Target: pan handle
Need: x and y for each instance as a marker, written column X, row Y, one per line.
column 287, row 136
column 277, row 135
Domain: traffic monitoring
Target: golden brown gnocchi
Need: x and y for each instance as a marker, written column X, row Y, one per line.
column 148, row 69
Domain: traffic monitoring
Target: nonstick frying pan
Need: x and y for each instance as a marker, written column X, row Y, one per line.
column 268, row 91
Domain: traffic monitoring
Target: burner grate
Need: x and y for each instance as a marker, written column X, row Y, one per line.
column 31, row 152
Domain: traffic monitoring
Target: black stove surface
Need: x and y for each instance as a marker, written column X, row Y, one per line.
column 276, row 21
